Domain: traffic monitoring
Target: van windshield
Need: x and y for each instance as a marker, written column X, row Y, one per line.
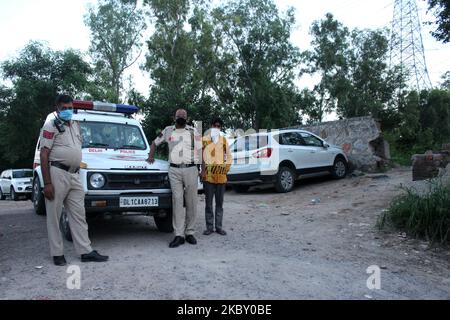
column 18, row 174
column 112, row 136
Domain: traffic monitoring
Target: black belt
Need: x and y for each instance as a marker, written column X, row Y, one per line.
column 63, row 167
column 190, row 165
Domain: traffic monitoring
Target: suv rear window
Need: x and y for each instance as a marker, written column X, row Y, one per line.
column 249, row 143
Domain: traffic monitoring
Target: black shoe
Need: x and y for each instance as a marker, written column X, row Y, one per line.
column 178, row 241
column 191, row 239
column 208, row 232
column 94, row 256
column 59, row 261
column 221, row 232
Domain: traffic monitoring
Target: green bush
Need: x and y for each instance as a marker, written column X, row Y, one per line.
column 424, row 216
column 398, row 154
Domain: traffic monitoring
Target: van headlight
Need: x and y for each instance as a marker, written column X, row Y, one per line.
column 97, row 180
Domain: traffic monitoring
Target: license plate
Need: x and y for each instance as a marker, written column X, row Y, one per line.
column 134, row 202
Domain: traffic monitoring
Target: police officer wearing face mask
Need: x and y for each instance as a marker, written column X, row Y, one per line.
column 60, row 154
column 185, row 149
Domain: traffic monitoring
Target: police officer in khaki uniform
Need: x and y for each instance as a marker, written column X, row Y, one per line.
column 60, row 146
column 185, row 149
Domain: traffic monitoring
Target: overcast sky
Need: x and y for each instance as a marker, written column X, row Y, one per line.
column 60, row 24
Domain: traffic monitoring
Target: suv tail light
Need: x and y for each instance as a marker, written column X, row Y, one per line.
column 264, row 153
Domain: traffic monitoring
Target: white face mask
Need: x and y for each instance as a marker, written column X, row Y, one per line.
column 215, row 135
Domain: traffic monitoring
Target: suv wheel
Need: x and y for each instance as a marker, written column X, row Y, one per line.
column 339, row 170
column 13, row 194
column 285, row 180
column 241, row 188
column 64, row 226
column 164, row 224
column 38, row 198
column 2, row 196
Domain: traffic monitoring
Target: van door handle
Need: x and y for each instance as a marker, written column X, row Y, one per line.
column 312, row 151
column 290, row 150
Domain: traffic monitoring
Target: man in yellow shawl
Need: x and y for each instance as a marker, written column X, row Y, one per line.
column 217, row 161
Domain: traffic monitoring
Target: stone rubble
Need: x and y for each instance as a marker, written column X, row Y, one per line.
column 360, row 138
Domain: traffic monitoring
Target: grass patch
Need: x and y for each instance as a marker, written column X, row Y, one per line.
column 423, row 216
column 401, row 158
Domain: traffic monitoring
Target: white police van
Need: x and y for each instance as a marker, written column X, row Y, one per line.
column 114, row 172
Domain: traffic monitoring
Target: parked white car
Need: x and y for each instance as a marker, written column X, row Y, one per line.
column 16, row 183
column 280, row 157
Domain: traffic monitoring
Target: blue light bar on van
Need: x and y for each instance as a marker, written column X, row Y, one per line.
column 104, row 106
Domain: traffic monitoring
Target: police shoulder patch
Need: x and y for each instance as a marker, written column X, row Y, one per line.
column 48, row 135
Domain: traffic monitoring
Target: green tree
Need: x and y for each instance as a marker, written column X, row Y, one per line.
column 171, row 63
column 328, row 58
column 445, row 85
column 116, row 32
column 370, row 85
column 355, row 79
column 257, row 63
column 409, row 127
column 36, row 75
column 438, row 104
column 441, row 10
column 234, row 60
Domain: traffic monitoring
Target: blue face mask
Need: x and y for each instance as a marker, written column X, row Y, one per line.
column 66, row 115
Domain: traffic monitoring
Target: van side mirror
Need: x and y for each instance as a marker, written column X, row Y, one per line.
column 326, row 145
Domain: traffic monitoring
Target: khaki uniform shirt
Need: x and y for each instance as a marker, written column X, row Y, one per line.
column 65, row 147
column 185, row 145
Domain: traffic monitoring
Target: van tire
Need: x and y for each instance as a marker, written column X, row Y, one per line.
column 37, row 197
column 2, row 196
column 164, row 224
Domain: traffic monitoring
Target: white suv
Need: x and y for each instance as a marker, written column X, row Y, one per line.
column 114, row 172
column 16, row 183
column 279, row 157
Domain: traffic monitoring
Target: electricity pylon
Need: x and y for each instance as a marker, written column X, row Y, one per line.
column 406, row 45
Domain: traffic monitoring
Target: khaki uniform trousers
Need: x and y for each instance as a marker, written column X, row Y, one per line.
column 68, row 192
column 184, row 184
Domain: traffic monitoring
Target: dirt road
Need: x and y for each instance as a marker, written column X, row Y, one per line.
column 279, row 246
